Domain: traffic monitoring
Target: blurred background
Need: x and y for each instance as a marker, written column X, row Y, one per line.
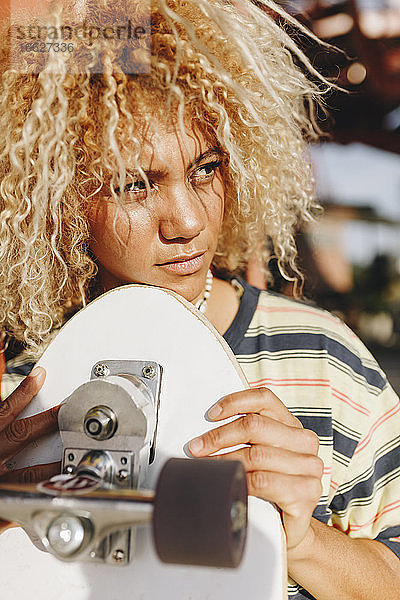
column 351, row 257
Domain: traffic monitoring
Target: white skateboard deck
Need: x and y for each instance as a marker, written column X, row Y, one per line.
column 145, row 323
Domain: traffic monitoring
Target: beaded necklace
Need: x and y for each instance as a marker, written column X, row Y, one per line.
column 202, row 303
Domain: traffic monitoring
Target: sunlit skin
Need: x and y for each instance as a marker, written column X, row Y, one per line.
column 180, row 218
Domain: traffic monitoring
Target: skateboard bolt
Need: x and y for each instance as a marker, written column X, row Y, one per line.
column 238, row 516
column 100, row 423
column 124, row 460
column 101, row 370
column 65, row 535
column 148, row 372
column 69, row 469
column 122, row 475
column 118, row 555
column 71, row 457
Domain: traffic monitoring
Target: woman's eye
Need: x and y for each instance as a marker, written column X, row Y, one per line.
column 136, row 188
column 205, row 172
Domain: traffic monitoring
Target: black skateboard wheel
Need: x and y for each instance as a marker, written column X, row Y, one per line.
column 200, row 512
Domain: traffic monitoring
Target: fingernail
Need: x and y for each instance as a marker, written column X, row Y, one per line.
column 196, row 445
column 214, row 411
column 36, row 372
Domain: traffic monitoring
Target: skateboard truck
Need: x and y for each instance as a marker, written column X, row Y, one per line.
column 108, row 431
column 108, row 424
column 198, row 514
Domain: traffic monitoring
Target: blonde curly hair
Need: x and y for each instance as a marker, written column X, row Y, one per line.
column 236, row 74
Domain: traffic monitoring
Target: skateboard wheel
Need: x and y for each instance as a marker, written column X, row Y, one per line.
column 200, row 512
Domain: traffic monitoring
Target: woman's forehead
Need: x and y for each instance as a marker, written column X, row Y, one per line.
column 161, row 142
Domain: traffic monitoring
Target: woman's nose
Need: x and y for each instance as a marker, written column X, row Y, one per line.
column 182, row 214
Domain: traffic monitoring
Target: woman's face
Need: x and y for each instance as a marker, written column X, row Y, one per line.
column 167, row 237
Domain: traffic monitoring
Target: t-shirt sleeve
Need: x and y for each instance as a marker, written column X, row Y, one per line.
column 366, row 503
column 16, row 370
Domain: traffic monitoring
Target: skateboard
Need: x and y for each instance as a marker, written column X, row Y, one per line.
column 131, row 516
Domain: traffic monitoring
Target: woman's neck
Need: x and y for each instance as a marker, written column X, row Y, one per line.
column 222, row 305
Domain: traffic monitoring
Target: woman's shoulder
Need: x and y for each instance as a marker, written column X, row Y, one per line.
column 304, row 316
column 19, row 363
column 16, row 369
column 284, row 324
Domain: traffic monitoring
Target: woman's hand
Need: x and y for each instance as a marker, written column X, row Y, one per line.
column 16, row 434
column 280, row 459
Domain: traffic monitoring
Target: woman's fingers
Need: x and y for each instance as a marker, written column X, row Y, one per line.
column 20, row 433
column 15, row 433
column 6, row 525
column 26, row 476
column 296, row 496
column 257, row 400
column 296, row 492
column 280, row 456
column 279, row 460
column 254, row 428
column 292, row 493
column 21, row 396
column 34, row 474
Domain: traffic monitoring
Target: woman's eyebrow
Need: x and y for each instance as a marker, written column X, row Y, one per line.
column 163, row 172
column 207, row 154
column 152, row 173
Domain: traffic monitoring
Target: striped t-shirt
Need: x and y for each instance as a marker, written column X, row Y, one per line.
column 327, row 378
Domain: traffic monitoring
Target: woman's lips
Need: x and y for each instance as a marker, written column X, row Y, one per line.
column 185, row 267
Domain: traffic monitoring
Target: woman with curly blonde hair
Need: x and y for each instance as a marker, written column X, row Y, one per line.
column 170, row 173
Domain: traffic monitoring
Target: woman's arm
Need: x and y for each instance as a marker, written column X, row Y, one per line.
column 331, row 565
